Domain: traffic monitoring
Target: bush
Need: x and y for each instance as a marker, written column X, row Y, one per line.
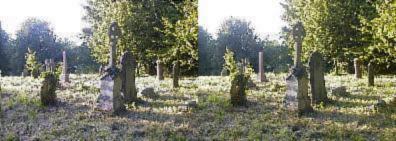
column 48, row 88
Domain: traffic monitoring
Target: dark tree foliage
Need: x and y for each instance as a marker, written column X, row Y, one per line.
column 146, row 26
column 4, row 43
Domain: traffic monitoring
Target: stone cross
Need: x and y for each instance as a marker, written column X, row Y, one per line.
column 176, row 73
column 111, row 98
column 358, row 69
column 114, row 33
column 370, row 73
column 296, row 98
column 160, row 71
column 318, row 86
column 65, row 74
column 261, row 75
column 128, row 66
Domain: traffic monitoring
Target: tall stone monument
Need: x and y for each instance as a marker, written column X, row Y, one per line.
column 317, row 80
column 128, row 65
column 160, row 70
column 296, row 98
column 370, row 73
column 358, row 68
column 261, row 74
column 176, row 73
column 65, row 73
column 111, row 98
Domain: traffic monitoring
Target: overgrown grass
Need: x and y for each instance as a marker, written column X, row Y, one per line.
column 75, row 118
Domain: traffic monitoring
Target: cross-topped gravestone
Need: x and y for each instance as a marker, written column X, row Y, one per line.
column 111, row 98
column 358, row 69
column 318, row 86
column 160, row 71
column 261, row 75
column 128, row 65
column 114, row 33
column 296, row 98
column 65, row 74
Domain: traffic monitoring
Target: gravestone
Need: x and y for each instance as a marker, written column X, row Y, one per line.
column 160, row 71
column 47, row 65
column 52, row 65
column 261, row 74
column 318, row 86
column 176, row 73
column 358, row 68
column 48, row 88
column 370, row 73
column 65, row 74
column 128, row 65
column 111, row 97
column 296, row 98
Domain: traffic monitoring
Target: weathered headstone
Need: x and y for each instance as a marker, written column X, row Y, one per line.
column 52, row 65
column 48, row 88
column 358, row 68
column 160, row 71
column 128, row 65
column 318, row 86
column 47, row 65
column 65, row 74
column 176, row 73
column 261, row 74
column 296, row 98
column 370, row 73
column 111, row 97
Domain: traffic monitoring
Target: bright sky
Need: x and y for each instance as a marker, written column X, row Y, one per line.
column 265, row 15
column 65, row 16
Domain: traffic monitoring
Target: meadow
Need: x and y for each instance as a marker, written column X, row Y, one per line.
column 166, row 116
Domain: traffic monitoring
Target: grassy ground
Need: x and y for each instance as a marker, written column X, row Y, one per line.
column 75, row 117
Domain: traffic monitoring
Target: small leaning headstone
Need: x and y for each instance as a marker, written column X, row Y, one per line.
column 160, row 71
column 128, row 63
column 176, row 73
column 358, row 68
column 317, row 80
column 296, row 98
column 370, row 73
column 111, row 98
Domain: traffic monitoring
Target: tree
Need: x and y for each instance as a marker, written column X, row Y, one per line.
column 31, row 63
column 182, row 37
column 4, row 44
column 238, row 36
column 332, row 27
column 141, row 24
column 206, row 53
column 39, row 37
column 382, row 29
